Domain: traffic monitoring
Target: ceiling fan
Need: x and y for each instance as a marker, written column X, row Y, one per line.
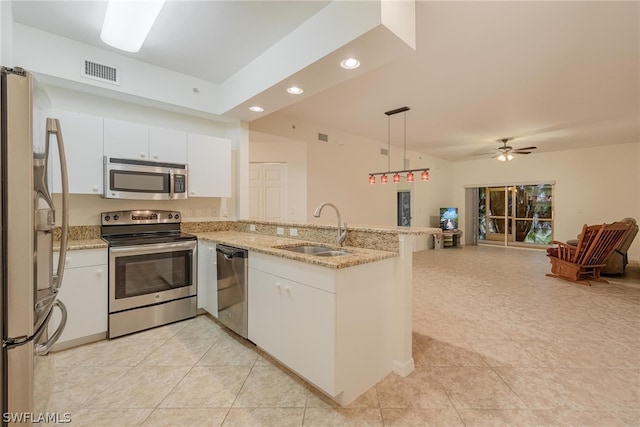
column 505, row 152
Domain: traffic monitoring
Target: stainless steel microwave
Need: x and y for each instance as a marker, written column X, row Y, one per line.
column 144, row 180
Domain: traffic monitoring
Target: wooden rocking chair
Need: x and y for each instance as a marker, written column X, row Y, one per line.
column 582, row 263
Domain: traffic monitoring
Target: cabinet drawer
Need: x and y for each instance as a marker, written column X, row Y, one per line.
column 83, row 258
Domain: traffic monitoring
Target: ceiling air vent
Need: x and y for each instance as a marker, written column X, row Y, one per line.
column 323, row 137
column 101, row 72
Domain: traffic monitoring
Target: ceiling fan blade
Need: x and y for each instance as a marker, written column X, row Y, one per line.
column 484, row 154
column 521, row 152
column 526, row 148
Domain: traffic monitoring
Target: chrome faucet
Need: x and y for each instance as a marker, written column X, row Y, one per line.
column 342, row 235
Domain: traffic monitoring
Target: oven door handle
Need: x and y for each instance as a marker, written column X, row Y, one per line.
column 154, row 248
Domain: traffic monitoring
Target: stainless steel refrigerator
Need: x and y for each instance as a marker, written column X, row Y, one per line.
column 28, row 286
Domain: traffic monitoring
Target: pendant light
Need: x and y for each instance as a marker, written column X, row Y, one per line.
column 424, row 172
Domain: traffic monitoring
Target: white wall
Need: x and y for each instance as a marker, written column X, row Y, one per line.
column 593, row 185
column 264, row 149
column 85, row 209
column 338, row 172
column 6, row 34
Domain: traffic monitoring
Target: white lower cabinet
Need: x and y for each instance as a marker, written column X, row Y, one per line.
column 295, row 323
column 84, row 293
column 207, row 278
column 331, row 326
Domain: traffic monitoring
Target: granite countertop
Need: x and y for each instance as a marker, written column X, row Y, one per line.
column 271, row 245
column 80, row 244
column 388, row 229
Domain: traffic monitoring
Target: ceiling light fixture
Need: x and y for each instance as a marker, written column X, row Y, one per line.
column 424, row 172
column 127, row 23
column 256, row 109
column 295, row 90
column 350, row 64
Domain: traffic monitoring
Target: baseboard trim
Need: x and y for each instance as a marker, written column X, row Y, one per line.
column 403, row 368
column 78, row 341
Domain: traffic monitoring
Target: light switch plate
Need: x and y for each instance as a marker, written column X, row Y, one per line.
column 293, row 232
column 252, row 227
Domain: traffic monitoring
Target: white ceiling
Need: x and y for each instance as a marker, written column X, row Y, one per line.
column 557, row 75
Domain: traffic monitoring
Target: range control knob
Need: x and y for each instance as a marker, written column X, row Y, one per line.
column 107, row 218
column 176, row 216
column 115, row 217
column 170, row 216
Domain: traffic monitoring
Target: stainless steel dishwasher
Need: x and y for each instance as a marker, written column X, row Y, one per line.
column 232, row 288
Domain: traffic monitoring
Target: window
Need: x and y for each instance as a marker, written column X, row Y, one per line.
column 517, row 214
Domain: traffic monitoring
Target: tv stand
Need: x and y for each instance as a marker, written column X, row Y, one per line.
column 451, row 239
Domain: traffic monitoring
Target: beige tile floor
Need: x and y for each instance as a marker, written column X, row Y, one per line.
column 496, row 343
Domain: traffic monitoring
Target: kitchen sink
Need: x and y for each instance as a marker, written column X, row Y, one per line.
column 314, row 250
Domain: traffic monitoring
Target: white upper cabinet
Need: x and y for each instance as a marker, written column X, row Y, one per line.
column 167, row 145
column 82, row 136
column 209, row 166
column 126, row 140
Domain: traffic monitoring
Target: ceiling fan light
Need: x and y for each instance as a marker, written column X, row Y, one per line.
column 410, row 177
column 501, row 157
column 424, row 176
column 509, row 157
column 384, row 179
column 396, row 178
column 372, row 179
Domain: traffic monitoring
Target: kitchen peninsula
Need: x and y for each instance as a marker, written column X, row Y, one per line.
column 341, row 322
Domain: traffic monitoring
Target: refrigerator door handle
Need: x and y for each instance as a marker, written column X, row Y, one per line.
column 53, row 127
column 43, row 349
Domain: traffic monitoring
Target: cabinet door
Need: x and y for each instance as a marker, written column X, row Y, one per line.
column 296, row 324
column 126, row 140
column 207, row 278
column 84, row 293
column 209, row 166
column 82, row 136
column 167, row 145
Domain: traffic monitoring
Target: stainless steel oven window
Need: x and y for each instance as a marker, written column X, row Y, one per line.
column 140, row 182
column 152, row 273
column 120, row 254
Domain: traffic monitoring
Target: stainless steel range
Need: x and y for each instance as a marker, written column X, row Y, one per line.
column 152, row 270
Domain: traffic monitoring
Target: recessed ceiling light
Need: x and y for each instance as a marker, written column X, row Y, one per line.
column 256, row 109
column 350, row 63
column 295, row 90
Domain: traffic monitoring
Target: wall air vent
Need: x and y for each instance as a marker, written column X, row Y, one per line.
column 384, row 151
column 101, row 72
column 323, row 137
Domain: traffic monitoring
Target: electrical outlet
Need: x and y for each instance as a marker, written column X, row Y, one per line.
column 280, row 231
column 293, row 232
column 252, row 227
column 224, row 212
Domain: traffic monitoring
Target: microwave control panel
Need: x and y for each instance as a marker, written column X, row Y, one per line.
column 179, row 183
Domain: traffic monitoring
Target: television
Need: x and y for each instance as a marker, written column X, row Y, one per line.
column 449, row 219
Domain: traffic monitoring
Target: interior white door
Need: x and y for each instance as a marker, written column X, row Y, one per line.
column 268, row 191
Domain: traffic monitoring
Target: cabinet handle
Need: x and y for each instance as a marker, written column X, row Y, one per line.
column 287, row 289
column 67, row 260
column 99, row 272
column 193, row 192
column 278, row 286
column 95, row 188
column 142, row 154
column 155, row 155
